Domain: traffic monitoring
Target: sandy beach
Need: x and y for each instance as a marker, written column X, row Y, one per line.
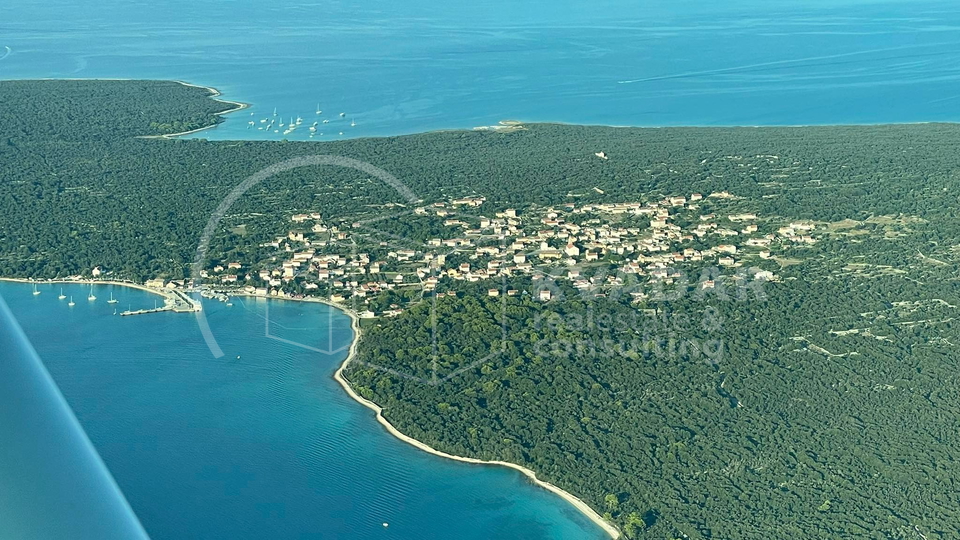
column 338, row 375
column 583, row 507
column 580, row 505
column 214, row 95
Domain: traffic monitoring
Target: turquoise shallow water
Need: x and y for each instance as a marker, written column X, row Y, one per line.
column 418, row 65
column 266, row 445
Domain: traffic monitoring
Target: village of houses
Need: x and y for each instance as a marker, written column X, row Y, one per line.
column 643, row 239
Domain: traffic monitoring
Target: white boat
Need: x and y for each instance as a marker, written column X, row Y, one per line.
column 318, row 109
column 326, row 121
column 341, row 133
column 342, row 114
column 35, row 291
column 112, row 300
column 71, row 304
column 299, row 120
column 62, row 296
column 274, row 111
column 91, row 297
column 313, row 128
column 353, row 123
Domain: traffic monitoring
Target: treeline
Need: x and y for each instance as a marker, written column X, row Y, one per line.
column 71, row 163
column 698, row 417
column 96, row 110
column 826, row 408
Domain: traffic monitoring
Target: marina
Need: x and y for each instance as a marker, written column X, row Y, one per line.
column 263, row 443
column 174, row 300
column 290, row 126
column 301, row 444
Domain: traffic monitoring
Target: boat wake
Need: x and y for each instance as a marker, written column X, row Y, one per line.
column 81, row 64
column 779, row 63
column 7, row 53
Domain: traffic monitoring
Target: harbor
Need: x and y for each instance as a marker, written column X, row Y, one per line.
column 284, row 129
column 173, row 300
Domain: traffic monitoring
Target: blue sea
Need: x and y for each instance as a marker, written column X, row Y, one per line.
column 262, row 442
column 417, row 65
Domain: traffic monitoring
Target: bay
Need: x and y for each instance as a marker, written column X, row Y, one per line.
column 413, row 66
column 267, row 444
column 262, row 442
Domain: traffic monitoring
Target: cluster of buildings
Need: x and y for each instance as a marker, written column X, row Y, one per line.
column 572, row 242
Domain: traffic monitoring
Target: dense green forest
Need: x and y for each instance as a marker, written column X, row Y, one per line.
column 825, row 407
column 85, row 111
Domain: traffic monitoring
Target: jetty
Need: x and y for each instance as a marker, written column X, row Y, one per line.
column 173, row 300
column 145, row 311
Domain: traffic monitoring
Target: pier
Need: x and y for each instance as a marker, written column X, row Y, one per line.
column 173, row 300
column 145, row 311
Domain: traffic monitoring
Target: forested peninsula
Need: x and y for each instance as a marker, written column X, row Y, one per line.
column 729, row 333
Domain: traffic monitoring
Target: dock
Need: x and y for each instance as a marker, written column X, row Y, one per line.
column 145, row 311
column 173, row 300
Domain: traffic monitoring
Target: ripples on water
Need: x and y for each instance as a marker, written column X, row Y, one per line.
column 268, row 446
column 264, row 446
column 415, row 66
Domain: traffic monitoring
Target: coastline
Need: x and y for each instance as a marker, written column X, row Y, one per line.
column 510, row 124
column 215, row 96
column 174, row 300
column 583, row 507
column 159, row 292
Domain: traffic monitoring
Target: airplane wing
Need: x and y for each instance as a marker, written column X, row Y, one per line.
column 53, row 484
